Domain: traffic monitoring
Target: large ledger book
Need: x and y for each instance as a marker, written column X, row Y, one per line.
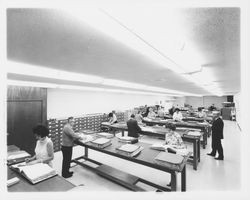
column 86, row 138
column 35, row 173
column 105, row 135
column 129, row 150
column 101, row 142
column 127, row 139
column 194, row 133
column 166, row 159
column 17, row 156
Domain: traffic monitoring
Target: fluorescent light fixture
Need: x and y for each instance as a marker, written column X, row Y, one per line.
column 73, row 87
column 29, row 70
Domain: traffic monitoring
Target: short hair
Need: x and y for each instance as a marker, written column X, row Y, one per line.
column 69, row 118
column 171, row 126
column 132, row 116
column 41, row 130
column 110, row 114
column 177, row 109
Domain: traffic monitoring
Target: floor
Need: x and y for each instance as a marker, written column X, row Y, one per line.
column 211, row 175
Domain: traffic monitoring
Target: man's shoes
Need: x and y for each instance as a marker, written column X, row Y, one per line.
column 219, row 158
column 68, row 175
column 210, row 154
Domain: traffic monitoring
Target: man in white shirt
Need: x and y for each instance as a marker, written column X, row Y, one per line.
column 177, row 115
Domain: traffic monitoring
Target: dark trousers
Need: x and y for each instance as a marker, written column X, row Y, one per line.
column 67, row 155
column 217, row 146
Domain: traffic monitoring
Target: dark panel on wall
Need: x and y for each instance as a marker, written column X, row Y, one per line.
column 21, row 117
column 230, row 98
column 26, row 107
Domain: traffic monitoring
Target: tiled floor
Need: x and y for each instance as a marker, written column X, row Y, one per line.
column 211, row 175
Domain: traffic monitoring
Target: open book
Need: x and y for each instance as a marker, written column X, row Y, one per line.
column 105, row 135
column 101, row 142
column 35, row 173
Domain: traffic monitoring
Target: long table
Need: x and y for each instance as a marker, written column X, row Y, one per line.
column 204, row 127
column 145, row 157
column 53, row 184
column 160, row 132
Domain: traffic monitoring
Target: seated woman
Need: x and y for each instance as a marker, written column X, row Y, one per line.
column 173, row 138
column 151, row 114
column 138, row 117
column 44, row 152
column 177, row 115
column 112, row 118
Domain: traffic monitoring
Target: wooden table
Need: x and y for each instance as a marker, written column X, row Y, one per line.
column 145, row 157
column 53, row 184
column 192, row 125
column 160, row 132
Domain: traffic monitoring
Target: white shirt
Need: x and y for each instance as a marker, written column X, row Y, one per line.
column 151, row 115
column 177, row 116
column 41, row 149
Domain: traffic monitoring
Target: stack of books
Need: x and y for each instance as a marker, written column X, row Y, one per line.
column 129, row 150
column 105, row 135
column 35, row 173
column 194, row 133
column 127, row 139
column 101, row 142
column 17, row 156
column 88, row 132
column 167, row 159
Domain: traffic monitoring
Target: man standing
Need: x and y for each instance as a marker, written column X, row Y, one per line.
column 217, row 135
column 68, row 137
column 133, row 128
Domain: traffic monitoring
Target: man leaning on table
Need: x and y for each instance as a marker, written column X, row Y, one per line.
column 68, row 137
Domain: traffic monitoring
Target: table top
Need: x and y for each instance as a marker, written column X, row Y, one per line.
column 56, row 183
column 145, row 157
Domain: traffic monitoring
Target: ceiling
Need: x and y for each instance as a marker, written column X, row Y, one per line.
column 58, row 39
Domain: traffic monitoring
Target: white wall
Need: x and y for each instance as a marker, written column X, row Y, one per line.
column 63, row 103
column 205, row 101
column 237, row 102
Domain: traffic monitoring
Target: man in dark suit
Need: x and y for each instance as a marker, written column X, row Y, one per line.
column 133, row 128
column 217, row 136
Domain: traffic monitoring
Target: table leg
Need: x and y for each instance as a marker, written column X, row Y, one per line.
column 198, row 148
column 183, row 179
column 195, row 159
column 86, row 152
column 173, row 181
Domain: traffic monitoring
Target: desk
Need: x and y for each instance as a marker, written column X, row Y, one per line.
column 145, row 157
column 53, row 184
column 160, row 133
column 194, row 125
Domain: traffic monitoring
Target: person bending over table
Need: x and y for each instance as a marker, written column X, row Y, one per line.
column 68, row 137
column 133, row 128
column 44, row 152
column 112, row 118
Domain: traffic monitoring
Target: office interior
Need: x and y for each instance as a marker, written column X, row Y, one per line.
column 66, row 62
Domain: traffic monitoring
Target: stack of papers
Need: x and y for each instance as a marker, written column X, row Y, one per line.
column 101, row 142
column 165, row 158
column 160, row 147
column 194, row 133
column 128, row 139
column 129, row 150
column 105, row 135
column 17, row 156
column 86, row 138
column 35, row 173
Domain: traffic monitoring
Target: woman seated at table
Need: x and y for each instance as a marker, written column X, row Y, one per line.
column 44, row 152
column 177, row 115
column 112, row 118
column 151, row 114
column 138, row 117
column 172, row 138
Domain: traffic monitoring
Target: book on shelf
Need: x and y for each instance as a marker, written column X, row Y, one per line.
column 101, row 142
column 35, row 173
column 129, row 150
column 127, row 139
column 165, row 158
column 17, row 156
column 105, row 135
